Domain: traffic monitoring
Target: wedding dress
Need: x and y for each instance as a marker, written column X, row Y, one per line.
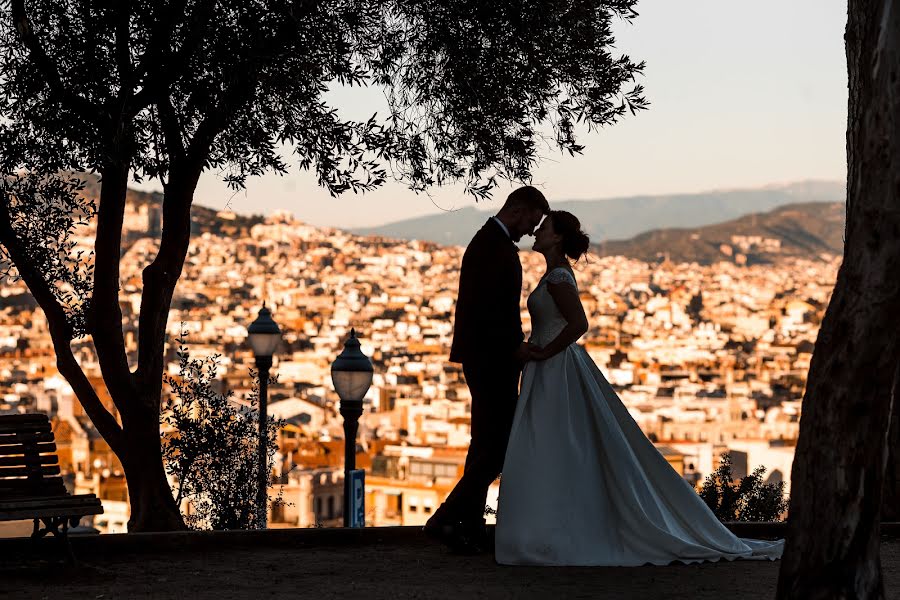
column 582, row 484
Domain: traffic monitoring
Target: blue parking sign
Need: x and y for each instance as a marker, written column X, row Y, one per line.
column 357, row 498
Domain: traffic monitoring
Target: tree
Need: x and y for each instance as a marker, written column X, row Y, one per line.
column 890, row 509
column 695, row 308
column 211, row 446
column 165, row 90
column 836, row 487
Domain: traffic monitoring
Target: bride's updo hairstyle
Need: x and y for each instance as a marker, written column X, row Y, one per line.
column 575, row 242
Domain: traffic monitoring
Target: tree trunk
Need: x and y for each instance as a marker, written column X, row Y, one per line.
column 890, row 507
column 136, row 395
column 833, row 526
column 153, row 506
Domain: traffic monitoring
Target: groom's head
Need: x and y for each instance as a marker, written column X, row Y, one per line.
column 523, row 210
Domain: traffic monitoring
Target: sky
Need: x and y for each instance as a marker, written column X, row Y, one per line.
column 743, row 94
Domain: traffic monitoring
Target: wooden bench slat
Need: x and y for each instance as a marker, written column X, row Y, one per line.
column 31, row 415
column 26, row 437
column 24, row 461
column 27, row 426
column 23, row 482
column 23, row 427
column 43, row 496
column 56, row 492
column 45, row 501
column 88, row 508
column 27, row 448
column 33, row 491
column 16, row 515
column 36, row 470
column 24, row 418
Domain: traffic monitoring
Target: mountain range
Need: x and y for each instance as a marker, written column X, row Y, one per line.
column 623, row 218
column 747, row 226
column 807, row 230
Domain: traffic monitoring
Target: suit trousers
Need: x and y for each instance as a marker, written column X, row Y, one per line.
column 494, row 386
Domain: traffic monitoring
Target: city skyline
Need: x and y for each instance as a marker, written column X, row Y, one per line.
column 706, row 358
column 767, row 107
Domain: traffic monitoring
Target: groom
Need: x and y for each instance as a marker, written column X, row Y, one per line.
column 488, row 341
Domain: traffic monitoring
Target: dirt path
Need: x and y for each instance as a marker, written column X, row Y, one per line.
column 390, row 570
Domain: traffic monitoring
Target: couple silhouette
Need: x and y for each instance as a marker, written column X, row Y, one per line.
column 582, row 485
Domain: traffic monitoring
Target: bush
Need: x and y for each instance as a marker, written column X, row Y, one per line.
column 748, row 499
column 211, row 449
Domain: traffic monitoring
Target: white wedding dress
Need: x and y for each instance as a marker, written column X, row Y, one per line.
column 582, row 484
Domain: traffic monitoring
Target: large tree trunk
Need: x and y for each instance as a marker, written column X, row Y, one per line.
column 153, row 506
column 136, row 396
column 833, row 543
column 890, row 508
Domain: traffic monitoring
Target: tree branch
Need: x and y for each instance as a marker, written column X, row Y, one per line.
column 171, row 129
column 68, row 97
column 161, row 276
column 160, row 66
column 105, row 319
column 186, row 163
column 123, row 50
column 236, row 94
column 60, row 333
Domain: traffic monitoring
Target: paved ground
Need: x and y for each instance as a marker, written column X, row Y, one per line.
column 388, row 568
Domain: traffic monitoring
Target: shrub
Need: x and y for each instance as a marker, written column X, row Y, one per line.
column 748, row 499
column 211, row 448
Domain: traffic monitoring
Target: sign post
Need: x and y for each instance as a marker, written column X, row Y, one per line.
column 357, row 503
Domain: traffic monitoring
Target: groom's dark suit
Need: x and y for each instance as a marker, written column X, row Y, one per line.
column 488, row 322
column 486, row 334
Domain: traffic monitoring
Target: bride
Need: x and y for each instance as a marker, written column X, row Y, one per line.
column 581, row 483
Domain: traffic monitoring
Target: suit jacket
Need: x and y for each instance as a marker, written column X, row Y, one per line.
column 487, row 324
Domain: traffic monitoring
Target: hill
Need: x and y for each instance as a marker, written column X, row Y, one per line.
column 807, row 230
column 203, row 219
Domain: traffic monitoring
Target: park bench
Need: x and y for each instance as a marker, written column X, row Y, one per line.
column 30, row 483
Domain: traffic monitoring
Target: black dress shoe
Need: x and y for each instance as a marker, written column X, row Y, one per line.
column 437, row 531
column 458, row 537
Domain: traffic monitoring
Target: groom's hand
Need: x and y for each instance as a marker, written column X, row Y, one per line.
column 523, row 353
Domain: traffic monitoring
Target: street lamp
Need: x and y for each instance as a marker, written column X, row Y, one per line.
column 351, row 373
column 264, row 335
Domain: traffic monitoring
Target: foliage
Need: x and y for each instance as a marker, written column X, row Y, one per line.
column 42, row 214
column 211, row 449
column 472, row 87
column 695, row 308
column 749, row 499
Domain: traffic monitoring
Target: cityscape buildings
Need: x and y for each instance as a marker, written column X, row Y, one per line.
column 707, row 358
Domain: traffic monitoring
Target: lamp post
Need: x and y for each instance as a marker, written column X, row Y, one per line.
column 264, row 335
column 351, row 373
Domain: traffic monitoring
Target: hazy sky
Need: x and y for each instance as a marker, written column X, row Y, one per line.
column 743, row 94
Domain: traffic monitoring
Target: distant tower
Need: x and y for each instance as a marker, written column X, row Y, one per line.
column 734, row 408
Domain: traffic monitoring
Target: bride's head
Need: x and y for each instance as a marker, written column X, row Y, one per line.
column 560, row 234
